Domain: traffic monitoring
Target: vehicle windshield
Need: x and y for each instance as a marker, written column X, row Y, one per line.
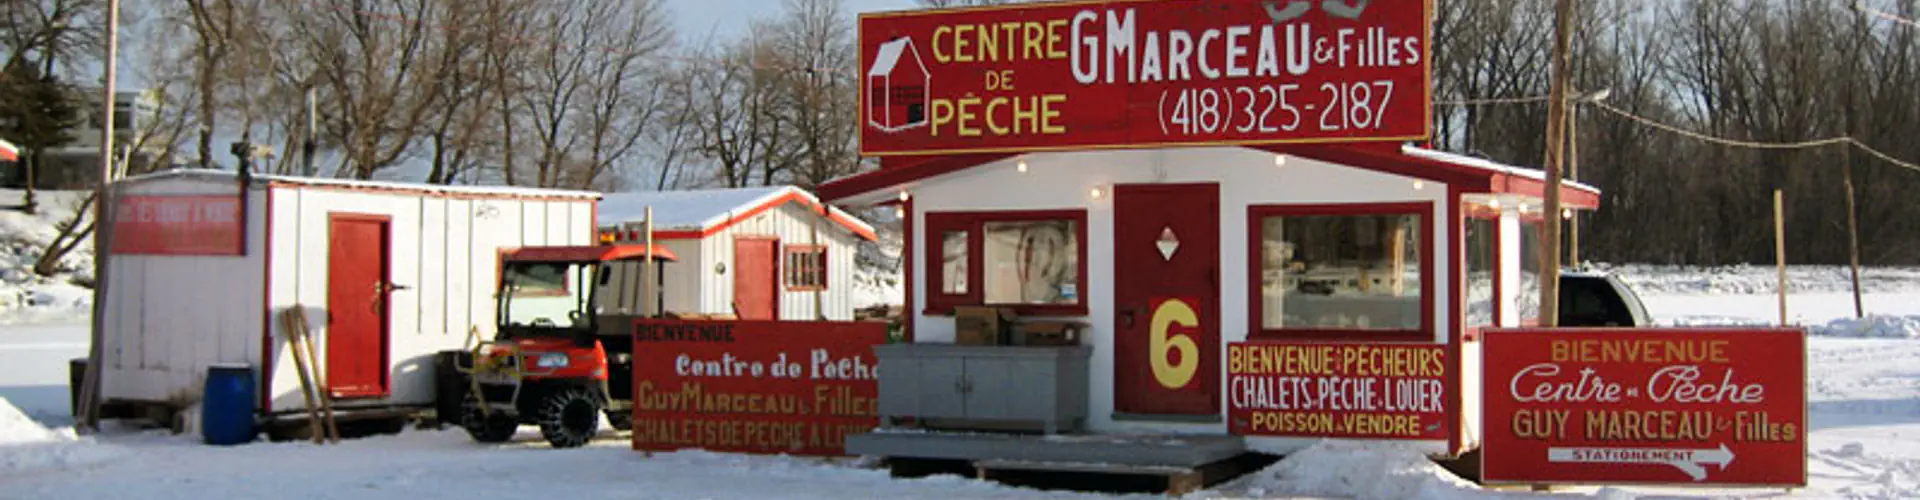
column 546, row 294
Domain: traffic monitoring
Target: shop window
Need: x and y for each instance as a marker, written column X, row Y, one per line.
column 1341, row 271
column 806, row 267
column 1032, row 262
column 1483, row 249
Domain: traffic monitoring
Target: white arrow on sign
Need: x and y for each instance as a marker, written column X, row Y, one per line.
column 1689, row 461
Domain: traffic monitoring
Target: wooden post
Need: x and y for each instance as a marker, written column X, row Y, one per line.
column 1853, row 228
column 1573, row 174
column 819, row 306
column 1780, row 249
column 647, row 266
column 89, row 418
column 1556, row 135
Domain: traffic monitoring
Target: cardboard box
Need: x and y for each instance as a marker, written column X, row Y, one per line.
column 1050, row 333
column 982, row 325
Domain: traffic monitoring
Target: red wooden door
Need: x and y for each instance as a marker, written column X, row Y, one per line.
column 756, row 266
column 357, row 293
column 1166, row 299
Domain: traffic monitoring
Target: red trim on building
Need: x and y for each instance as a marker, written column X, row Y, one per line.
column 1570, row 196
column 906, row 255
column 795, row 197
column 1255, row 271
column 973, row 224
column 902, row 171
column 1456, row 319
column 266, row 307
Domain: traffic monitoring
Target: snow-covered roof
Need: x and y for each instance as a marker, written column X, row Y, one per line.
column 1485, row 164
column 489, row 191
column 709, row 209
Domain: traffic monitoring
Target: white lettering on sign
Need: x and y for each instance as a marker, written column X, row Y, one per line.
column 825, row 366
column 1108, row 47
column 1545, row 389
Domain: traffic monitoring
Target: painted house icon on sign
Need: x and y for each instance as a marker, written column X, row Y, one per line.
column 897, row 87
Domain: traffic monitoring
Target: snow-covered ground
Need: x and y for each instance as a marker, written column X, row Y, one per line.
column 1865, row 440
column 1864, row 388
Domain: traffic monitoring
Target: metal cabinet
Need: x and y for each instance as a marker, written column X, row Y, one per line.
column 984, row 387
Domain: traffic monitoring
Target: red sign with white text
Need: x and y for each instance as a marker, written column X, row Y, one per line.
column 1138, row 73
column 1645, row 406
column 178, row 225
column 792, row 387
column 1343, row 390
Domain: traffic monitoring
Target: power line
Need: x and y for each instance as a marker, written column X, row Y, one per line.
column 1862, row 7
column 1760, row 145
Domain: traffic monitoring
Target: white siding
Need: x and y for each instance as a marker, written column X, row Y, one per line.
column 790, row 224
column 169, row 317
column 446, row 250
column 1245, row 176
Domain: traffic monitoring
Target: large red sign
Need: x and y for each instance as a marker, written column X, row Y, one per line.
column 1139, row 73
column 1645, row 406
column 178, row 225
column 789, row 387
column 1344, row 390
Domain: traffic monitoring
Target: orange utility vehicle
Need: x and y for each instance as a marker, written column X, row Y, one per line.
column 559, row 358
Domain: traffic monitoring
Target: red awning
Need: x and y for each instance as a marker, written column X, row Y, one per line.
column 589, row 253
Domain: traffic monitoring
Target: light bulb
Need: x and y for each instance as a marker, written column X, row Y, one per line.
column 1419, row 185
column 1566, row 213
column 1094, row 193
column 903, row 195
column 1279, row 160
column 1022, row 166
column 1494, row 204
column 899, row 212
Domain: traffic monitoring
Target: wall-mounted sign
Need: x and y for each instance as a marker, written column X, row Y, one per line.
column 1138, row 73
column 178, row 225
column 1337, row 390
column 1645, row 406
column 790, row 387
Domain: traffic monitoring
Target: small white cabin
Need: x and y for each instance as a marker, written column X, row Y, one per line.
column 765, row 253
column 387, row 274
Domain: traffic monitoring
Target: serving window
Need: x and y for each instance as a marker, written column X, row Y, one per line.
column 1032, row 262
column 1351, row 271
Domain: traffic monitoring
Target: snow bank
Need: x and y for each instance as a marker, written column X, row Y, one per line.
column 26, row 445
column 27, row 297
column 1872, row 326
column 1647, row 279
column 1358, row 471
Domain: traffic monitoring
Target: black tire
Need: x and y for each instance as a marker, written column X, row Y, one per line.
column 569, row 417
column 620, row 420
column 495, row 428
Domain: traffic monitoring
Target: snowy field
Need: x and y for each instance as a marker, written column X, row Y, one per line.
column 1865, row 410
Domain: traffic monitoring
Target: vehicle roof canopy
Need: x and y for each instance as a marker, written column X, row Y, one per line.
column 590, row 253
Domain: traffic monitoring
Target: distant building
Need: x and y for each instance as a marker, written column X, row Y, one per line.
column 77, row 164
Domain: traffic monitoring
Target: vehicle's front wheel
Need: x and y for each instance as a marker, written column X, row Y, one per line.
column 497, row 427
column 569, row 417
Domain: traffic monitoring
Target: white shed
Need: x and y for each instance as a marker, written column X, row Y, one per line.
column 387, row 273
column 759, row 253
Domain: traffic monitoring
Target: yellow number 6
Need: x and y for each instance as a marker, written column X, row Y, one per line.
column 1173, row 311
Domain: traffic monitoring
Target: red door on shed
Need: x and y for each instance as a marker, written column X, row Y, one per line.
column 1166, row 299
column 756, row 291
column 357, row 305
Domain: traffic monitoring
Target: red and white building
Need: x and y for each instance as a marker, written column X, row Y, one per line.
column 203, row 266
column 760, row 253
column 1352, row 243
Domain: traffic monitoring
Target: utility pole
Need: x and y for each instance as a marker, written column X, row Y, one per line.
column 1556, row 140
column 1853, row 226
column 89, row 420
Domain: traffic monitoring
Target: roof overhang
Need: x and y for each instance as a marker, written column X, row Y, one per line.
column 756, row 207
column 1469, row 174
column 589, row 253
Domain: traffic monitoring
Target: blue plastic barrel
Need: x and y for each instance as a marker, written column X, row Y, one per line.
column 226, row 407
